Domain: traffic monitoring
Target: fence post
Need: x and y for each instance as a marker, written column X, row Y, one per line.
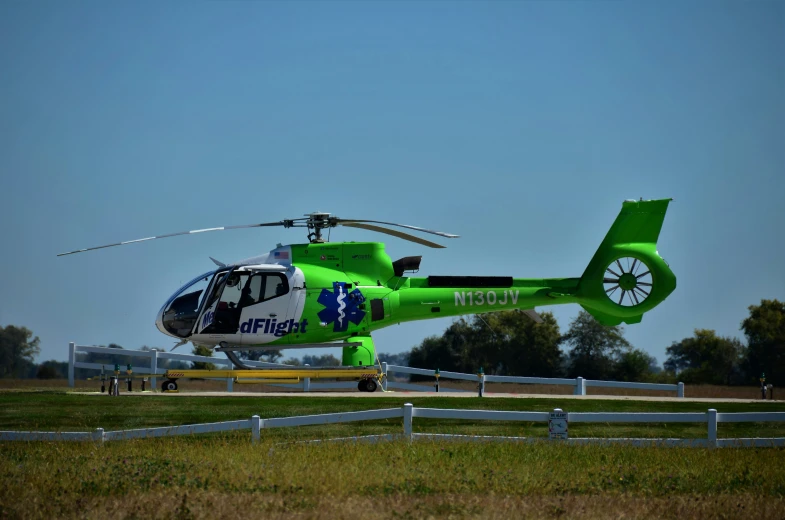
column 408, row 413
column 580, row 386
column 256, row 427
column 481, row 384
column 680, row 390
column 384, row 376
column 307, row 382
column 71, row 361
column 229, row 384
column 98, row 435
column 153, row 370
column 712, row 420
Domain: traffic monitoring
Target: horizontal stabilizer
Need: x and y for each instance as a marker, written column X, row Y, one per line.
column 611, row 321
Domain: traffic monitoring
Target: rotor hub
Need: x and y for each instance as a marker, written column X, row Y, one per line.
column 628, row 282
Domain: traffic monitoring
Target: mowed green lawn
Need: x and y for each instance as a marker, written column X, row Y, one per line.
column 61, row 411
column 226, row 476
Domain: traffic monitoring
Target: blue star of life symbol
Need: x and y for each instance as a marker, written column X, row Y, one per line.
column 341, row 307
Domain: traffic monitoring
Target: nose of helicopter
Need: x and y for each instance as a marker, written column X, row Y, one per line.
column 159, row 322
column 178, row 315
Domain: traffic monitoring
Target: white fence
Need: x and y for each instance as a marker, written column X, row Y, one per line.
column 579, row 383
column 408, row 412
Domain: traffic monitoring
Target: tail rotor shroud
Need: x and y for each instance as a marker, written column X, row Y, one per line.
column 628, row 279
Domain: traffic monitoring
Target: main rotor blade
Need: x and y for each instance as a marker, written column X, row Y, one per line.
column 394, row 233
column 344, row 221
column 284, row 223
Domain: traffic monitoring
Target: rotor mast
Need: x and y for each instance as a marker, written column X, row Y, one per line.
column 316, row 223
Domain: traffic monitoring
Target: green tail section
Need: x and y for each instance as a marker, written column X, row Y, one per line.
column 627, row 277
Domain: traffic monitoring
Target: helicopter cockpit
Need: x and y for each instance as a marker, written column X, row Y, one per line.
column 219, row 297
column 179, row 314
column 235, row 291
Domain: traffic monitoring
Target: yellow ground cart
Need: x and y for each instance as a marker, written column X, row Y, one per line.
column 368, row 378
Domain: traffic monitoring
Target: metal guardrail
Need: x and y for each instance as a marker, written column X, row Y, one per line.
column 153, row 356
column 579, row 383
column 408, row 412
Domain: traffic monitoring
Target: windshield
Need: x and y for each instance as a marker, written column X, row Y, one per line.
column 182, row 309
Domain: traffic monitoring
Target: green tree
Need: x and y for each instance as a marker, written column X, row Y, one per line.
column 765, row 331
column 46, row 372
column 517, row 345
column 52, row 370
column 450, row 351
column 201, row 350
column 634, row 365
column 706, row 358
column 401, row 359
column 18, row 347
column 595, row 348
column 505, row 343
column 326, row 360
column 266, row 356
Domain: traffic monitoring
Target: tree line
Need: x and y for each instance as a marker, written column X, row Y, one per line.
column 509, row 343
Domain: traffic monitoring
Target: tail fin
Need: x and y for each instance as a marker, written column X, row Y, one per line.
column 627, row 277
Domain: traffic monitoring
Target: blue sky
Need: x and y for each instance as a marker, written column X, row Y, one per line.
column 520, row 126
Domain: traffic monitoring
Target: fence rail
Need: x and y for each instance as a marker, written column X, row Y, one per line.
column 408, row 412
column 580, row 384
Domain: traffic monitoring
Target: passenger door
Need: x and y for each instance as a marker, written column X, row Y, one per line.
column 264, row 306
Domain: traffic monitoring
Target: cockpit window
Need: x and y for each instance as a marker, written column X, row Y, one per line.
column 182, row 310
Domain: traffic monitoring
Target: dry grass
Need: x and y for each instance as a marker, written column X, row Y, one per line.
column 225, row 476
column 218, row 505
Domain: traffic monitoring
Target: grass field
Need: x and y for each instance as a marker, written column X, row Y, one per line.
column 221, row 476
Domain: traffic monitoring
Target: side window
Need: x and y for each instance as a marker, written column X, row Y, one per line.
column 230, row 298
column 255, row 285
column 262, row 287
column 275, row 285
column 251, row 292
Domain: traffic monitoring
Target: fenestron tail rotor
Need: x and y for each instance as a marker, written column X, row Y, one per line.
column 627, row 281
column 314, row 222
